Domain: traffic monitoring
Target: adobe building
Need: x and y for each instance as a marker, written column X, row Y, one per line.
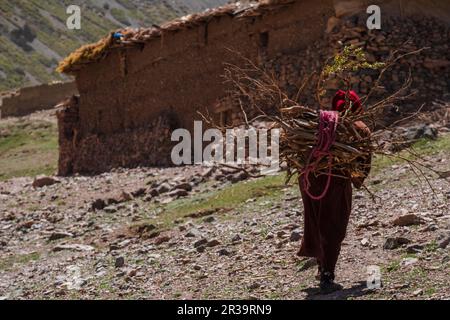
column 137, row 86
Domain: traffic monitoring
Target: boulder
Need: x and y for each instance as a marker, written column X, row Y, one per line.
column 163, row 188
column 296, row 235
column 178, row 193
column 73, row 247
column 239, row 176
column 407, row 220
column 98, row 204
column 43, row 181
column 59, row 235
column 183, row 186
column 392, row 243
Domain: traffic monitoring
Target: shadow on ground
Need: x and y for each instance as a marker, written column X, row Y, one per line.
column 357, row 290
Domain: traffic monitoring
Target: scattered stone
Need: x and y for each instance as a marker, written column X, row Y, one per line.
column 162, row 239
column 132, row 273
column 201, row 242
column 407, row 220
column 153, row 192
column 193, row 233
column 208, row 172
column 392, row 243
column 236, row 238
column 138, row 193
column 209, row 219
column 408, row 262
column 98, row 204
column 269, row 236
column 365, row 242
column 40, row 182
column 143, row 228
column 178, row 193
column 73, row 247
column 296, row 235
column 239, row 176
column 430, row 227
column 201, row 249
column 254, row 286
column 122, row 197
column 414, row 248
column 223, row 252
column 307, row 263
column 219, row 177
column 444, row 241
column 377, row 181
column 213, row 243
column 110, row 209
column 418, row 292
column 59, row 235
column 420, row 131
column 163, row 188
column 25, row 225
column 367, row 225
column 183, row 186
column 202, row 213
column 120, row 262
column 281, row 234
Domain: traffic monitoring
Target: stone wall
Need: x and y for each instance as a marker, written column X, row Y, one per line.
column 30, row 99
column 430, row 69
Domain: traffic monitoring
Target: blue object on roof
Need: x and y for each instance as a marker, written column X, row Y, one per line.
column 117, row 35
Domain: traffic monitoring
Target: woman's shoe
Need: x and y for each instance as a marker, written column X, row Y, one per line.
column 327, row 284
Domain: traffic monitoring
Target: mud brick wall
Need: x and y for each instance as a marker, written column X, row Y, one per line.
column 68, row 127
column 181, row 73
column 98, row 153
column 30, row 99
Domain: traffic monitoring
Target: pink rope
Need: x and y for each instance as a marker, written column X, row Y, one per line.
column 328, row 122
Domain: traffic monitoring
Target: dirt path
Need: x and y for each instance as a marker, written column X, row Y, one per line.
column 218, row 240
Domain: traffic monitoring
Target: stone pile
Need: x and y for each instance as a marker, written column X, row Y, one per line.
column 430, row 68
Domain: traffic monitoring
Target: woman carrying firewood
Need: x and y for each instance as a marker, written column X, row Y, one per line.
column 327, row 200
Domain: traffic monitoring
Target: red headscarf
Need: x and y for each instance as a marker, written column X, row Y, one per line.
column 339, row 103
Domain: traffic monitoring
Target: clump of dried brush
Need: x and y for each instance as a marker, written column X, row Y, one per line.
column 257, row 92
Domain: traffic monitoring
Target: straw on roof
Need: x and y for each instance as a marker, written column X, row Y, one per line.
column 92, row 53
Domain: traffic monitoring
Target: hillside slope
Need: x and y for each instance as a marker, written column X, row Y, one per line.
column 34, row 36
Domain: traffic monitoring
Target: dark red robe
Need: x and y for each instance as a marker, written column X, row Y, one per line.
column 326, row 220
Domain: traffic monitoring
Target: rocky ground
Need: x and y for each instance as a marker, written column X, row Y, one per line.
column 197, row 232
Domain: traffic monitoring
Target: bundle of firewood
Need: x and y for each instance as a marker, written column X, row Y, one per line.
column 349, row 151
column 299, row 135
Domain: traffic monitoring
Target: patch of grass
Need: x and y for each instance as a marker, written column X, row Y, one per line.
column 120, row 16
column 231, row 197
column 423, row 147
column 430, row 291
column 432, row 247
column 393, row 266
column 27, row 149
column 409, row 255
column 9, row 262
